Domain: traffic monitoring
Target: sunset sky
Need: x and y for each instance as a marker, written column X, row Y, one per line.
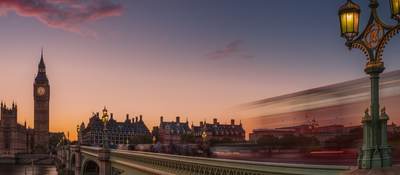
column 198, row 59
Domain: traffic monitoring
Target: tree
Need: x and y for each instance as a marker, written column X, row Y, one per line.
column 268, row 141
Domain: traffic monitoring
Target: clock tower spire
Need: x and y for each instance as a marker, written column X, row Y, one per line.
column 41, row 96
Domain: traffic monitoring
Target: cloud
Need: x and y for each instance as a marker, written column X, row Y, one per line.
column 68, row 15
column 232, row 49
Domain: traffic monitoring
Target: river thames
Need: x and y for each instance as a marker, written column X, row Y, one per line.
column 6, row 169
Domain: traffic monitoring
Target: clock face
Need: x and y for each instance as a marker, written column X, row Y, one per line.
column 41, row 91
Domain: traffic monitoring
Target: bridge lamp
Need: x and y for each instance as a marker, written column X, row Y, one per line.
column 104, row 118
column 349, row 15
column 395, row 8
column 204, row 135
column 154, row 139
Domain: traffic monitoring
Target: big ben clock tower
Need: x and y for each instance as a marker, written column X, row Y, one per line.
column 41, row 96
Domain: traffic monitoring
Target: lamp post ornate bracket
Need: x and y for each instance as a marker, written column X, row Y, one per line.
column 375, row 36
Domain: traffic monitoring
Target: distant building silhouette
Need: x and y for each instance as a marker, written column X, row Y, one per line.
column 172, row 132
column 17, row 138
column 41, row 91
column 220, row 132
column 14, row 137
column 118, row 132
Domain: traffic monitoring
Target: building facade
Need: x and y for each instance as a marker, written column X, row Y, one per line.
column 117, row 132
column 13, row 136
column 223, row 133
column 172, row 132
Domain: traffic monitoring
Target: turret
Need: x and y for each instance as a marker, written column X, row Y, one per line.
column 82, row 126
column 14, row 106
column 127, row 120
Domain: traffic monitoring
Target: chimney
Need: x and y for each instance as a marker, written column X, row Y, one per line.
column 161, row 119
column 177, row 119
column 232, row 121
column 215, row 121
column 140, row 117
column 133, row 119
column 136, row 119
column 127, row 116
column 111, row 116
column 201, row 123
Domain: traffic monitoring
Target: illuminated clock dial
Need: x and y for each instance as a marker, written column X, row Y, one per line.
column 41, row 91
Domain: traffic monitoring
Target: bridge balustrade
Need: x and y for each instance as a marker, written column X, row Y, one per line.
column 135, row 162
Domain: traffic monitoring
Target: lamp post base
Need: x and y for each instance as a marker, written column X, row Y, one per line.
column 374, row 158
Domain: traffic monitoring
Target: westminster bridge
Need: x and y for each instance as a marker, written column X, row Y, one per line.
column 86, row 160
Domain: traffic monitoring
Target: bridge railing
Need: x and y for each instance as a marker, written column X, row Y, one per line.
column 158, row 163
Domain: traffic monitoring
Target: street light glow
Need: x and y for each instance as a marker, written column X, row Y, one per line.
column 349, row 15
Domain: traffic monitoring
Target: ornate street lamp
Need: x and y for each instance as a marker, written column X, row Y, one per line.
column 349, row 15
column 204, row 136
column 204, row 139
column 105, row 132
column 78, row 134
column 375, row 151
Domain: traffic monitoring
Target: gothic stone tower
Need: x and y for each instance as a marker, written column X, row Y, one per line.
column 41, row 95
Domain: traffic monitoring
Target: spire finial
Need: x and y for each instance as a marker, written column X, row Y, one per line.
column 41, row 62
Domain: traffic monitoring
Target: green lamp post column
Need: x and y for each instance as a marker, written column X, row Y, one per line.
column 375, row 151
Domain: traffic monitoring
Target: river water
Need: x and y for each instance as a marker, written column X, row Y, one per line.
column 9, row 169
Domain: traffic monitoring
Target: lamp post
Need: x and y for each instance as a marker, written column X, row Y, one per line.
column 78, row 131
column 204, row 139
column 375, row 151
column 105, row 132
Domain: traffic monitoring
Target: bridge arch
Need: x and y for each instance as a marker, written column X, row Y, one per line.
column 90, row 167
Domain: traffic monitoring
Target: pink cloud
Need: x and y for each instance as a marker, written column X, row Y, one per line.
column 68, row 15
